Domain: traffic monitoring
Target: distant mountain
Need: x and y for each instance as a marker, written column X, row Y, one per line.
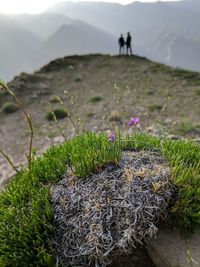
column 29, row 41
column 167, row 32
column 43, row 25
column 157, row 28
column 78, row 38
column 17, row 48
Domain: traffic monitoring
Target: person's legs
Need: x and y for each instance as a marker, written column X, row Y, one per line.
column 123, row 49
column 120, row 49
column 131, row 51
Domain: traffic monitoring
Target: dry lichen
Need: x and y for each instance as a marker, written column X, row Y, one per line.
column 112, row 211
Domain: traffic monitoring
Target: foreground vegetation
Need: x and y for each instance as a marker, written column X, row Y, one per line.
column 26, row 215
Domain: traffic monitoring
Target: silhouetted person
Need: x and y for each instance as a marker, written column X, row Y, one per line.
column 128, row 44
column 121, row 44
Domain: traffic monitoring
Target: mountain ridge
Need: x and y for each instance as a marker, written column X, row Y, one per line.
column 161, row 31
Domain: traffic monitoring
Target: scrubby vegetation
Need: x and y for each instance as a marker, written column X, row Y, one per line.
column 26, row 216
column 90, row 114
column 9, row 107
column 96, row 99
column 155, row 107
column 59, row 113
column 78, row 78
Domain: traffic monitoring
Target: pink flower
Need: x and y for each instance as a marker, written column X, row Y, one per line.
column 111, row 136
column 134, row 121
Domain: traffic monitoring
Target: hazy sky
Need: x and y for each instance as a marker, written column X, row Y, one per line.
column 37, row 6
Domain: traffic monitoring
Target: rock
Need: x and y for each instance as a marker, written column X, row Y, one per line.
column 170, row 250
column 58, row 139
column 71, row 67
column 138, row 258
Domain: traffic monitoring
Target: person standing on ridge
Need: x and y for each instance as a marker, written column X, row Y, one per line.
column 121, row 45
column 128, row 44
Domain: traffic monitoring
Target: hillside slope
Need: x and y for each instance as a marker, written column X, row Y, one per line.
column 104, row 91
column 161, row 31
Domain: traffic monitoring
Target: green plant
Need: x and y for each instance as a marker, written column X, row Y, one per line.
column 74, row 124
column 8, row 160
column 78, row 78
column 10, row 107
column 90, row 114
column 155, row 107
column 26, row 216
column 59, row 113
column 90, row 152
column 96, row 99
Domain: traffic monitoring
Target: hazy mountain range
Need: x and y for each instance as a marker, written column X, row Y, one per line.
column 167, row 32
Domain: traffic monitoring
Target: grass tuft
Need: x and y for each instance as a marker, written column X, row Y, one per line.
column 78, row 78
column 90, row 114
column 59, row 113
column 10, row 107
column 155, row 107
column 96, row 99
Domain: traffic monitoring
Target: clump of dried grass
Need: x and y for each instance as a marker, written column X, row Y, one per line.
column 110, row 212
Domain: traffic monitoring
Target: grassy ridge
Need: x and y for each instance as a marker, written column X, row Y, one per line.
column 26, row 216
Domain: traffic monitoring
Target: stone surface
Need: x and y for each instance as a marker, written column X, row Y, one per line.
column 138, row 258
column 170, row 250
